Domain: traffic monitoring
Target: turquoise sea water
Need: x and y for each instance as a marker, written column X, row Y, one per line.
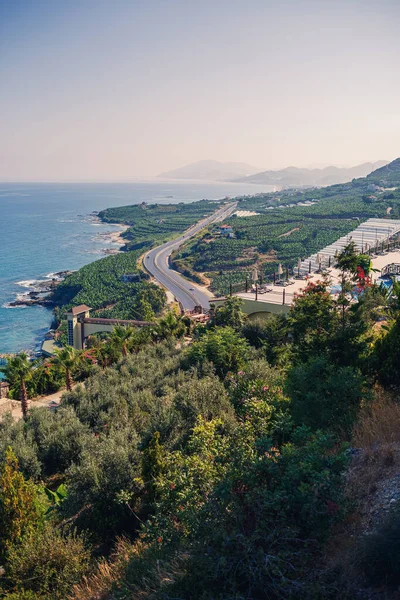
column 44, row 228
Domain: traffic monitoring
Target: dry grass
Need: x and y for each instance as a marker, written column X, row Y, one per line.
column 377, row 436
column 379, row 422
column 108, row 572
column 135, row 571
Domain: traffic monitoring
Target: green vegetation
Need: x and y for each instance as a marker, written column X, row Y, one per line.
column 213, row 470
column 219, row 468
column 101, row 286
column 151, row 223
column 285, row 231
column 18, row 371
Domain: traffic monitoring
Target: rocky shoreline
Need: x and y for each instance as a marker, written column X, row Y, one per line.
column 39, row 291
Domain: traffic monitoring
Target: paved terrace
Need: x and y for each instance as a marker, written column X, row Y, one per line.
column 275, row 296
column 368, row 235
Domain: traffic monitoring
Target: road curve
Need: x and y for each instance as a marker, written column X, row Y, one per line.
column 156, row 262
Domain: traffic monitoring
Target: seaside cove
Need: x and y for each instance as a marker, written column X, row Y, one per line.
column 51, row 228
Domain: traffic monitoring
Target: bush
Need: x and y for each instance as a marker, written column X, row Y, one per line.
column 20, row 508
column 22, row 442
column 109, row 467
column 206, row 397
column 48, row 563
column 230, row 314
column 24, row 595
column 387, row 356
column 223, row 347
column 59, row 437
column 268, row 334
column 324, row 396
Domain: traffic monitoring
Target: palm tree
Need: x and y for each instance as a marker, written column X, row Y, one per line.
column 106, row 355
column 66, row 359
column 17, row 371
column 171, row 325
column 121, row 337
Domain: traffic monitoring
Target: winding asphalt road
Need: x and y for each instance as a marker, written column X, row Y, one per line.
column 156, row 262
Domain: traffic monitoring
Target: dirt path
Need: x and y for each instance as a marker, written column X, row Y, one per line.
column 289, row 232
column 51, row 402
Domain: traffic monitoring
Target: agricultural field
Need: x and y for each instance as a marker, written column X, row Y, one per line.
column 290, row 225
column 156, row 223
column 100, row 285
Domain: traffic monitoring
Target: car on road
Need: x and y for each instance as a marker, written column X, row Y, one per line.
column 191, row 289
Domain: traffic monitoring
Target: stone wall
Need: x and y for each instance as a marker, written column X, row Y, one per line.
column 7, row 405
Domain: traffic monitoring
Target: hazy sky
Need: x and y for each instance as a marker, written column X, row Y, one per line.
column 113, row 89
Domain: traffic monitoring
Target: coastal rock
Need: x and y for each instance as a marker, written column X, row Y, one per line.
column 31, row 302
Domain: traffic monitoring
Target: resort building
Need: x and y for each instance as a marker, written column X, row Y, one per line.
column 81, row 325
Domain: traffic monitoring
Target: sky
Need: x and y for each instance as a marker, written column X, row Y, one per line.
column 119, row 89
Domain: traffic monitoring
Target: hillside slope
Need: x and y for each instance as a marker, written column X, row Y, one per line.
column 289, row 225
column 296, row 177
column 388, row 174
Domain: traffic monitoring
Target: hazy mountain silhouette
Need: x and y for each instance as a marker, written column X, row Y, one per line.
column 211, row 170
column 294, row 176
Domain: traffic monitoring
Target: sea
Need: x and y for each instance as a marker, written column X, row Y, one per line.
column 50, row 227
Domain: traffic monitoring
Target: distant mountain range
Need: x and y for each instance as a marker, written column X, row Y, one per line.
column 295, row 177
column 213, row 170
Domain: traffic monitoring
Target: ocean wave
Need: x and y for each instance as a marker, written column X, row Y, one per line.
column 32, row 284
column 29, row 283
column 55, row 275
column 103, row 251
column 9, row 307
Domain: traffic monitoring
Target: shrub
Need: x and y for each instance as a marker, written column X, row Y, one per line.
column 268, row 334
column 24, row 595
column 59, row 437
column 109, row 467
column 387, row 355
column 324, row 396
column 206, row 397
column 19, row 504
column 22, row 441
column 223, row 347
column 48, row 563
column 230, row 314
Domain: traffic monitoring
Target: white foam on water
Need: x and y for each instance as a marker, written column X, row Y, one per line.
column 31, row 283
column 28, row 283
column 7, row 305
